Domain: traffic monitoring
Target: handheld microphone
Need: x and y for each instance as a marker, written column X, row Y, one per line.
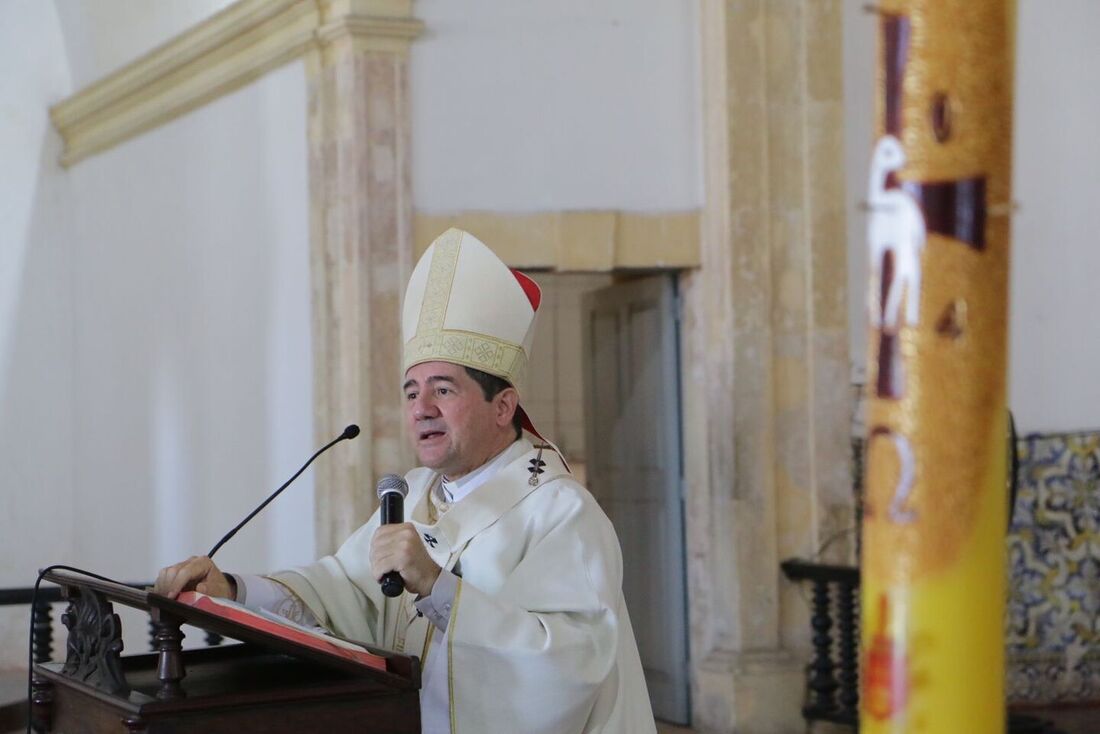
column 350, row 432
column 391, row 494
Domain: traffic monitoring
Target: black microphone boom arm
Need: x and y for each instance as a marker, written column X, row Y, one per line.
column 350, row 432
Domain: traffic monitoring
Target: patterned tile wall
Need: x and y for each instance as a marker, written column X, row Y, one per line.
column 1052, row 630
column 1053, row 624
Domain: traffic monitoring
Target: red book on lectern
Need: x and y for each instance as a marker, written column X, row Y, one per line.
column 284, row 628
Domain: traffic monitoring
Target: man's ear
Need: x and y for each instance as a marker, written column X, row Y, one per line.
column 507, row 402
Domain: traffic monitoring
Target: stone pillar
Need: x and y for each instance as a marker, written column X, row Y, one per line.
column 767, row 419
column 361, row 242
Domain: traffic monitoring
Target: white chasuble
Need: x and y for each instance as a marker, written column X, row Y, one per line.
column 538, row 638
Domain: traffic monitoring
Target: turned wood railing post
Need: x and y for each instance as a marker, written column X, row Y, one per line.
column 41, row 707
column 848, row 696
column 42, row 635
column 822, row 682
column 832, row 678
column 169, row 646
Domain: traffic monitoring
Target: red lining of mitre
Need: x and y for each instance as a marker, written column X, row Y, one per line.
column 530, row 288
column 529, row 426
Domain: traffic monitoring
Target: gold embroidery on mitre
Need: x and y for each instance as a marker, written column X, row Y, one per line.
column 433, row 342
column 480, row 351
column 437, row 291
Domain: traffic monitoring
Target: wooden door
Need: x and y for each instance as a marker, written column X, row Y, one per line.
column 632, row 419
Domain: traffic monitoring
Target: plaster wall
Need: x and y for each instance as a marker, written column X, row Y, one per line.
column 860, row 34
column 516, row 107
column 551, row 106
column 155, row 340
column 1055, row 334
column 193, row 375
column 37, row 489
column 1054, row 339
column 103, row 35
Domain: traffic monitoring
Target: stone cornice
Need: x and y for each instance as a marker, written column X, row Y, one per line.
column 389, row 34
column 215, row 57
column 575, row 241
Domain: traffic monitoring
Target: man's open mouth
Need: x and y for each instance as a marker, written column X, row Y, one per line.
column 429, row 435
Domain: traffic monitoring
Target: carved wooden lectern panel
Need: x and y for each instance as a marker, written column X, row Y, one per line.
column 95, row 642
column 267, row 684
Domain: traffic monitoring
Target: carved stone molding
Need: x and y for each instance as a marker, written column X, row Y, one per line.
column 579, row 241
column 215, row 57
column 373, row 34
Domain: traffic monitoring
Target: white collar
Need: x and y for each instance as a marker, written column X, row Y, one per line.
column 454, row 490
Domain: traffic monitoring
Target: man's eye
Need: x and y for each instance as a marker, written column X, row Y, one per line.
column 443, row 390
column 410, row 396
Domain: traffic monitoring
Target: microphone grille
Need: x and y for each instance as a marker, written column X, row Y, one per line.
column 392, row 483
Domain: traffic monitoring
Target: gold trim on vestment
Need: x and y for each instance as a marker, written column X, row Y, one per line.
column 429, row 635
column 436, row 508
column 321, row 619
column 401, row 623
column 450, row 656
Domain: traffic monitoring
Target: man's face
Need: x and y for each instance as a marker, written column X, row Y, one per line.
column 453, row 428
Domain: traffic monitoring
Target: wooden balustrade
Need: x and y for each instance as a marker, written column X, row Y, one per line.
column 832, row 676
column 42, row 616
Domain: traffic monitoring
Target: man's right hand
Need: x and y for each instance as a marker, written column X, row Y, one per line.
column 197, row 573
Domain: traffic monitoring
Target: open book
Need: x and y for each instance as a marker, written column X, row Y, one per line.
column 281, row 627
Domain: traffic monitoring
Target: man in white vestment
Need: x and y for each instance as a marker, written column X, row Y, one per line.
column 513, row 574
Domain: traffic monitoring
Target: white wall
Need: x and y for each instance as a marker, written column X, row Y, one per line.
column 155, row 345
column 1055, row 336
column 193, row 373
column 1055, row 349
column 36, row 311
column 543, row 106
column 103, row 35
column 860, row 31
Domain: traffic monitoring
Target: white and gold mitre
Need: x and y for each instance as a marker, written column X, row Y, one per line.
column 464, row 305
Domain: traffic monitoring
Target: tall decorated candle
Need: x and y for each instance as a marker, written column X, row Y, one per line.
column 935, row 506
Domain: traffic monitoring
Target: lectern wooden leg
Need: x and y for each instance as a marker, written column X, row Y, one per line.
column 41, row 709
column 169, row 642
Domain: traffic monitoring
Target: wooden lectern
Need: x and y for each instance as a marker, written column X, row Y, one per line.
column 267, row 684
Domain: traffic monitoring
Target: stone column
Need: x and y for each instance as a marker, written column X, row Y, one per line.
column 768, row 417
column 361, row 242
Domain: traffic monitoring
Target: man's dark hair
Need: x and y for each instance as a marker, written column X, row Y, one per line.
column 491, row 385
